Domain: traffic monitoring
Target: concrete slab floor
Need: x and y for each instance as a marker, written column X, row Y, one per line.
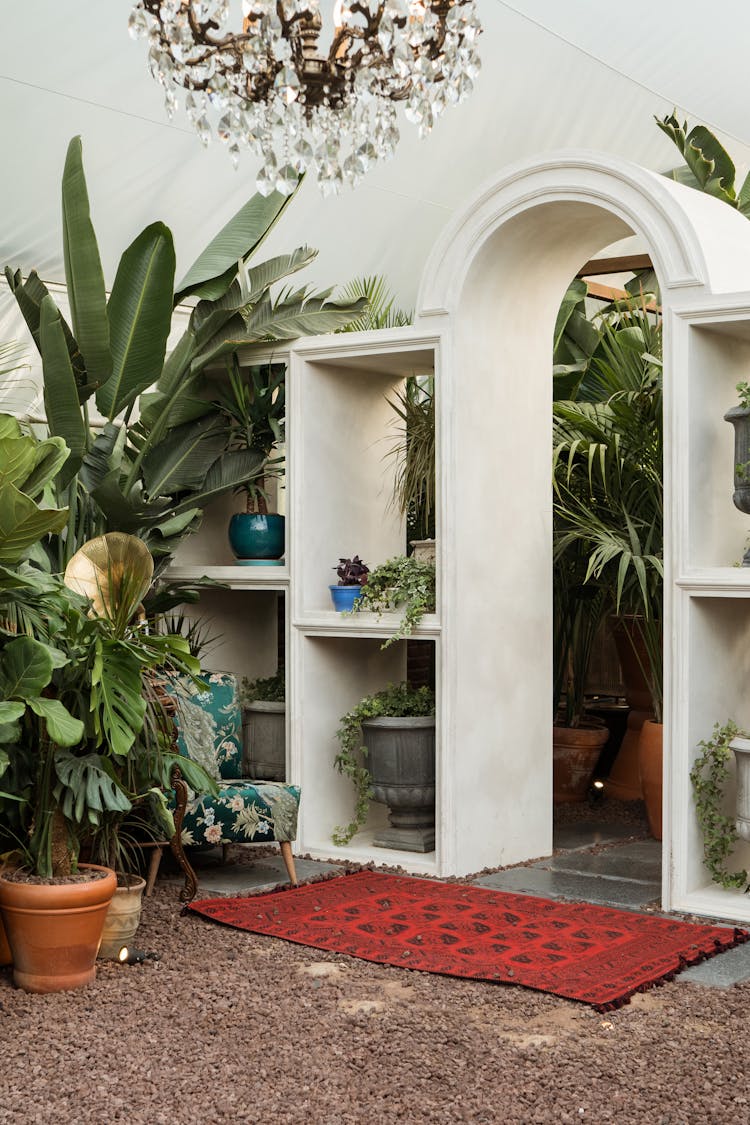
column 215, row 878
column 627, row 894
column 584, row 834
column 639, row 861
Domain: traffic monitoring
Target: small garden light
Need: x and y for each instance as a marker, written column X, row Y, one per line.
column 135, row 956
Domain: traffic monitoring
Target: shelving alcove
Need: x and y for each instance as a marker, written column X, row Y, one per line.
column 337, row 499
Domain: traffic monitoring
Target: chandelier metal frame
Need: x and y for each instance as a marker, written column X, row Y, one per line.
column 275, row 91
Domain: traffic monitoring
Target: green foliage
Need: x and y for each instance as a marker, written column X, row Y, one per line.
column 402, row 583
column 379, row 312
column 608, row 488
column 414, row 456
column 743, row 394
column 153, row 477
column 708, row 778
column 397, row 700
column 708, row 166
column 254, row 406
column 268, row 689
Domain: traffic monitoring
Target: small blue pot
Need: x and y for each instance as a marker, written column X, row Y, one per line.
column 252, row 536
column 345, row 597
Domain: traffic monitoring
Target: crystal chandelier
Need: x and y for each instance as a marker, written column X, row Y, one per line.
column 268, row 86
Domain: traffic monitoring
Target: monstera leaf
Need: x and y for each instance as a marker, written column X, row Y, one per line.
column 85, row 789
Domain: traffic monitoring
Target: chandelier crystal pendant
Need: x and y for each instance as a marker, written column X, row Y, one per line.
column 267, row 87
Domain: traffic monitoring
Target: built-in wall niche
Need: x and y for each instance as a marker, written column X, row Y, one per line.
column 719, row 637
column 345, row 471
column 719, row 359
column 336, row 673
column 249, row 627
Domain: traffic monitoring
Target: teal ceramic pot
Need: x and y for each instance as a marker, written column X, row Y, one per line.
column 253, row 536
column 344, row 597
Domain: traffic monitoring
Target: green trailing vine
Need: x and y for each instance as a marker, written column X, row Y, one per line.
column 403, row 583
column 708, row 778
column 400, row 700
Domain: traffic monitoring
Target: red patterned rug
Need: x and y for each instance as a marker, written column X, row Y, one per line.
column 595, row 954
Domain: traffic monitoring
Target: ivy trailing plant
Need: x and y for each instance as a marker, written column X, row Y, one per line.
column 708, row 778
column 396, row 700
column 404, row 583
column 268, row 689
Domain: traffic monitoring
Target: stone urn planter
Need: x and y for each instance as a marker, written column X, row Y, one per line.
column 739, row 417
column 741, row 749
column 401, row 761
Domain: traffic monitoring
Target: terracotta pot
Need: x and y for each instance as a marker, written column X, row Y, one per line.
column 123, row 918
column 575, row 752
column 624, row 781
column 650, row 755
column 54, row 929
column 6, row 957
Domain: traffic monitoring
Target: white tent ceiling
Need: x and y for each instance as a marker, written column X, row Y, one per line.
column 555, row 75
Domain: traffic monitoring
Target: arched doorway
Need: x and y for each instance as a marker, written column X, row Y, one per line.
column 492, row 288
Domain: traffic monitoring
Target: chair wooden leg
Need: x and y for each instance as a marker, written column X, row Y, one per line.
column 224, row 852
column 286, row 855
column 153, row 868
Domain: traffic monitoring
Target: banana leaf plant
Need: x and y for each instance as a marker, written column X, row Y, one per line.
column 161, row 454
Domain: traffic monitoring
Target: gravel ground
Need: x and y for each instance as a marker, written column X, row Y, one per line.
column 234, row 1027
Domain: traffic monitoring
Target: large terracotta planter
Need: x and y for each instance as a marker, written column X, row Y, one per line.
column 54, row 930
column 575, row 752
column 650, row 761
column 624, row 781
column 6, row 957
column 123, row 918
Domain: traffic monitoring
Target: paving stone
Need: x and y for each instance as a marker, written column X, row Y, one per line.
column 640, row 861
column 722, row 971
column 587, row 833
column 248, row 878
column 628, row 894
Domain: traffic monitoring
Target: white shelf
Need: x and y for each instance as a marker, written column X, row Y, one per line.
column 716, row 582
column 235, row 577
column 713, row 901
column 363, row 850
column 325, row 623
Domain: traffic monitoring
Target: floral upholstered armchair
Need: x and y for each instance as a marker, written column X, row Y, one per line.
column 245, row 811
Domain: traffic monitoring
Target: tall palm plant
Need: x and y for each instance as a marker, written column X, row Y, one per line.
column 608, row 478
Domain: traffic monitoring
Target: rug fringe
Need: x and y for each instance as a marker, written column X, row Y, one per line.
column 739, row 937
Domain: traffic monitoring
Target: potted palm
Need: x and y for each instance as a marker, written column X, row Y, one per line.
column 609, row 500
column 254, row 407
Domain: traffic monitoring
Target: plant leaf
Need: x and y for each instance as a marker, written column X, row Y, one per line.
column 25, row 669
column 23, row 523
column 83, row 269
column 214, row 270
column 62, row 727
column 140, row 316
column 61, row 400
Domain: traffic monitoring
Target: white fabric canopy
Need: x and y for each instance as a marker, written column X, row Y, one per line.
column 555, row 75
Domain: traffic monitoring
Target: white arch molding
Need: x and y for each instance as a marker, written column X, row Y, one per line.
column 491, row 291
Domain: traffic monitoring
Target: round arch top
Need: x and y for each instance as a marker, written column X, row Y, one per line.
column 576, row 203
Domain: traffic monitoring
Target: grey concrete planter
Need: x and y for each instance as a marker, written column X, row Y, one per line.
column 264, row 738
column 401, row 760
column 739, row 417
column 741, row 748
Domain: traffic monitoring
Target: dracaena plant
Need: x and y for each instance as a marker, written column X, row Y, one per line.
column 162, row 453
